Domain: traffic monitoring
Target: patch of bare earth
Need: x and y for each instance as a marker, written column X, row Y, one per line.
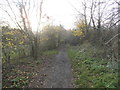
column 55, row 72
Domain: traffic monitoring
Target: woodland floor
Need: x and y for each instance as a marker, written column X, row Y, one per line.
column 56, row 72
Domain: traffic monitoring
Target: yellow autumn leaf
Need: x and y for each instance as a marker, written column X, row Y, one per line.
column 78, row 33
column 8, row 39
column 21, row 42
column 9, row 44
column 8, row 33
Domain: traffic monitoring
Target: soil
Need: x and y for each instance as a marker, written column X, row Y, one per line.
column 55, row 72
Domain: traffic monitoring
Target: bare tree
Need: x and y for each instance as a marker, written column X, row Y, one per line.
column 85, row 15
column 25, row 9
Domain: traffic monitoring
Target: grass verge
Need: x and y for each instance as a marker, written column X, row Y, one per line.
column 50, row 52
column 90, row 71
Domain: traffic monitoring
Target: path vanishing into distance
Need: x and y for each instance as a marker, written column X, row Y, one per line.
column 54, row 73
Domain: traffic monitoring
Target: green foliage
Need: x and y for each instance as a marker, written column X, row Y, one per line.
column 52, row 37
column 91, row 72
column 72, row 53
column 17, row 79
column 18, row 82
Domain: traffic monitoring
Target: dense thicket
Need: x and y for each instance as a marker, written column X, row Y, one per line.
column 16, row 44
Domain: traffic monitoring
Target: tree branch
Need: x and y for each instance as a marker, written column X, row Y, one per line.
column 112, row 38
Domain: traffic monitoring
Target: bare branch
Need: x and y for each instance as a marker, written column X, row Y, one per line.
column 40, row 15
column 112, row 39
column 114, row 24
column 75, row 9
column 16, row 23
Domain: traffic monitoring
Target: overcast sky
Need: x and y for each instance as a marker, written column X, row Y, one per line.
column 59, row 11
column 62, row 11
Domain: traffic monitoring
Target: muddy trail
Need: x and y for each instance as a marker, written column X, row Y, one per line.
column 54, row 73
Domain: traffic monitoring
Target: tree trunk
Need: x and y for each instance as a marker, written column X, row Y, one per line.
column 36, row 48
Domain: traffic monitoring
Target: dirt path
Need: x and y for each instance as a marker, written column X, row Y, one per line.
column 55, row 73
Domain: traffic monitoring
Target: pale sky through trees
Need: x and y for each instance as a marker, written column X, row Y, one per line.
column 60, row 12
